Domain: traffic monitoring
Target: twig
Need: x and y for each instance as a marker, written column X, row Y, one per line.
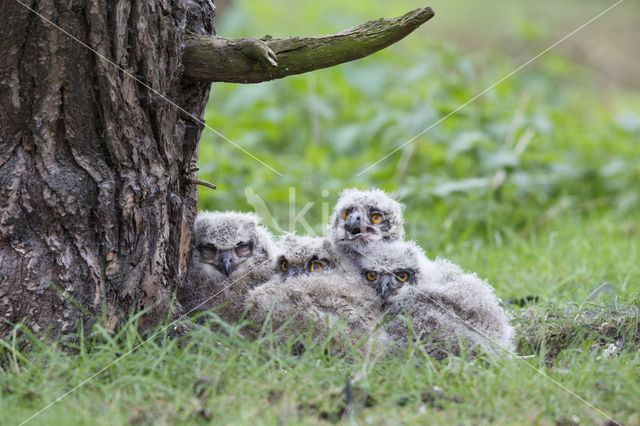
column 202, row 182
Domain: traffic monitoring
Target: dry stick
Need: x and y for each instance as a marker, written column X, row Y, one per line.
column 202, row 182
column 252, row 60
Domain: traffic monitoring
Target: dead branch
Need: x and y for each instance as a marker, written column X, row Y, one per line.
column 251, row 60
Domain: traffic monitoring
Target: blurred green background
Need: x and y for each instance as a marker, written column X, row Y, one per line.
column 534, row 185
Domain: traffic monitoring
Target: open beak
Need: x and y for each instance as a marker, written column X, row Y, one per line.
column 225, row 259
column 352, row 227
column 386, row 287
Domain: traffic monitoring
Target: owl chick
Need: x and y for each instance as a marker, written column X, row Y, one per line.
column 364, row 217
column 311, row 291
column 329, row 305
column 297, row 255
column 443, row 307
column 474, row 297
column 232, row 254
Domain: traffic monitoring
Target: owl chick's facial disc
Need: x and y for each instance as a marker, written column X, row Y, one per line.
column 363, row 217
column 226, row 240
column 389, row 266
column 299, row 255
column 387, row 282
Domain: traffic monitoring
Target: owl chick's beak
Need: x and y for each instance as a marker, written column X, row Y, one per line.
column 386, row 287
column 293, row 271
column 353, row 227
column 225, row 259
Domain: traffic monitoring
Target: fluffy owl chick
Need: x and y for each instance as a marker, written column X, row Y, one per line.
column 364, row 217
column 232, row 253
column 473, row 298
column 435, row 303
column 311, row 291
column 329, row 305
column 298, row 255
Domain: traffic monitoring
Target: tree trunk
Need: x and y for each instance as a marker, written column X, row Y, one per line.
column 96, row 196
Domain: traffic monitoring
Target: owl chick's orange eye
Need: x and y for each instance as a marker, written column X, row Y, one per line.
column 347, row 212
column 315, row 267
column 402, row 276
column 376, row 218
column 371, row 276
column 284, row 266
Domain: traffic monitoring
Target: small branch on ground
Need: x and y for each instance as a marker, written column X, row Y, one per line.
column 251, row 60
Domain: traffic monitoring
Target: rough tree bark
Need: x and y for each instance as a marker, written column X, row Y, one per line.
column 95, row 204
column 97, row 171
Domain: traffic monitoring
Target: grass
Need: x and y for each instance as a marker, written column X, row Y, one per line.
column 560, row 229
column 215, row 375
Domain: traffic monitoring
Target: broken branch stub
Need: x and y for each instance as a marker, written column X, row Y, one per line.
column 251, row 60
